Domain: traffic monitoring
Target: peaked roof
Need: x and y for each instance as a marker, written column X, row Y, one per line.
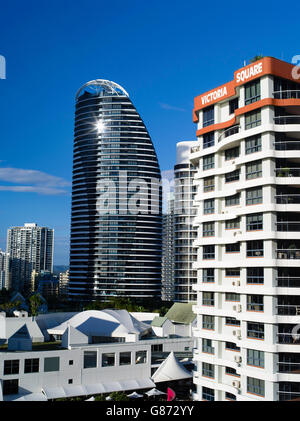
column 158, row 321
column 170, row 369
column 21, row 333
column 181, row 313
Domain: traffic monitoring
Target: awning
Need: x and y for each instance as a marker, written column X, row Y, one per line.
column 97, row 388
column 32, row 397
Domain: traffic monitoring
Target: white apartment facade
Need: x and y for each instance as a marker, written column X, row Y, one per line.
column 248, row 220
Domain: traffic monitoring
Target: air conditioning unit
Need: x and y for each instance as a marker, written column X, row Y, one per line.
column 237, row 308
column 237, row 358
column 236, row 384
column 236, row 284
column 237, row 333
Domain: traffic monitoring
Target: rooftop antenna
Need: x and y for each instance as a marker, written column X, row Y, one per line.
column 244, row 63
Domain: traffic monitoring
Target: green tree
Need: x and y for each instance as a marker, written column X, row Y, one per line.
column 119, row 396
column 34, row 303
column 7, row 307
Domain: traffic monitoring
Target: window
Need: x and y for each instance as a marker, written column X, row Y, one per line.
column 232, row 272
column 254, row 222
column 231, row 371
column 231, row 321
column 207, row 346
column 209, row 252
column 233, row 200
column 256, row 358
column 208, row 162
column 208, row 140
column 254, row 196
column 208, row 370
column 255, row 330
column 71, row 362
column 141, row 357
column 208, row 299
column 231, row 346
column 208, row 116
column 253, row 170
column 252, row 92
column 232, row 153
column 31, row 365
column 157, row 348
column 255, row 303
column 90, row 359
column 230, row 396
column 208, row 275
column 208, row 229
column 252, row 119
column 233, row 105
column 10, row 387
column 232, row 224
column 208, row 322
column 255, row 248
column 256, row 386
column 208, row 394
column 253, row 144
column 11, row 367
column 232, row 176
column 232, row 296
column 125, row 358
column 108, row 359
column 51, row 364
column 209, row 184
column 232, row 248
column 255, row 275
column 208, row 206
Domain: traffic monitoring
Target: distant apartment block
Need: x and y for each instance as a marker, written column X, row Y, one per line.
column 29, row 248
column 168, row 250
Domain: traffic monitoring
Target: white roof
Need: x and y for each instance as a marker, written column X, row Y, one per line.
column 170, row 369
column 103, row 323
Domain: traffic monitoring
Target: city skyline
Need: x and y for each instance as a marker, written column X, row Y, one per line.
column 163, row 70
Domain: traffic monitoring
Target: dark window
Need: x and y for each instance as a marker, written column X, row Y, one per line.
column 255, row 303
column 232, row 153
column 208, row 229
column 208, row 322
column 208, row 140
column 253, row 170
column 209, row 206
column 233, row 200
column 256, row 386
column 253, row 144
column 252, row 119
column 209, row 252
column 232, row 346
column 232, row 272
column 255, row 248
column 11, row 367
column 254, row 196
column 208, row 299
column 255, row 330
column 231, row 371
column 108, row 359
column 208, row 184
column 10, row 387
column 208, row 162
column 208, row 394
column 141, row 357
column 51, row 364
column 232, row 296
column 232, row 176
column 255, row 275
column 90, row 359
column 208, row 370
column 157, row 348
column 207, row 346
column 208, row 275
column 125, row 358
column 252, row 92
column 230, row 396
column 208, row 116
column 232, row 248
column 254, row 222
column 31, row 365
column 232, row 321
column 70, row 381
column 256, row 358
column 232, row 223
column 233, row 105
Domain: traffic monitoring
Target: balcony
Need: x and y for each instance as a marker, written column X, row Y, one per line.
column 287, row 199
column 287, row 119
column 295, row 94
column 287, row 339
column 287, row 172
column 289, row 367
column 288, row 282
column 229, row 132
column 288, row 253
column 288, row 310
column 288, row 145
column 288, row 226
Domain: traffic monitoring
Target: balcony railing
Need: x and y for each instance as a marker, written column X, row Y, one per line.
column 288, row 310
column 288, row 281
column 288, row 367
column 287, row 199
column 287, row 339
column 287, row 172
column 287, row 119
column 287, row 94
column 288, row 145
column 288, row 253
column 287, row 226
column 229, row 132
column 288, row 396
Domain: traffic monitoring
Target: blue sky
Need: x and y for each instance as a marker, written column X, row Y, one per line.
column 163, row 53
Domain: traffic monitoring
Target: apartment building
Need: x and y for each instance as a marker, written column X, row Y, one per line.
column 168, row 250
column 248, row 222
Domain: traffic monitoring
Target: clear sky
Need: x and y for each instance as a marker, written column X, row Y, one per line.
column 163, row 52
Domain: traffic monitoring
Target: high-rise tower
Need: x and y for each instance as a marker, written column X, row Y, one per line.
column 116, row 199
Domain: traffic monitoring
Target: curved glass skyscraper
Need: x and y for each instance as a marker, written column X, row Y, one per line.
column 116, row 199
